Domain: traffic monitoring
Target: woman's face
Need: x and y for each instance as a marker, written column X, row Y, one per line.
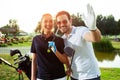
column 47, row 24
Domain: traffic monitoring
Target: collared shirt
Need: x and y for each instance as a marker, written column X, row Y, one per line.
column 84, row 65
column 49, row 66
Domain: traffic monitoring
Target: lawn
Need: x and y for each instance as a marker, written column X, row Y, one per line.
column 9, row 73
column 20, row 44
column 116, row 44
column 110, row 73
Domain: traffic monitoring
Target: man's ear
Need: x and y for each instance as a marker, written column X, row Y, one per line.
column 71, row 20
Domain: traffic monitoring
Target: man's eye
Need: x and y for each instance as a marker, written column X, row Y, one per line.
column 58, row 23
column 64, row 22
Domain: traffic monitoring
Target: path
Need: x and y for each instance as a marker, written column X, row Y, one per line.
column 23, row 50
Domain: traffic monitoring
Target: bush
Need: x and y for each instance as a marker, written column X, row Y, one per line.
column 9, row 43
column 103, row 46
column 3, row 45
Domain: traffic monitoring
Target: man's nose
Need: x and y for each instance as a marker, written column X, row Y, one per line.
column 62, row 24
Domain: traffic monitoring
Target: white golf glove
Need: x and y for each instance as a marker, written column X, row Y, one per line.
column 90, row 20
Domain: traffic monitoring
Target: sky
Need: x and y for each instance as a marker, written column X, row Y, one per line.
column 28, row 12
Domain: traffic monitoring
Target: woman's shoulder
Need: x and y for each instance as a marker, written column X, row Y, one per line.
column 37, row 36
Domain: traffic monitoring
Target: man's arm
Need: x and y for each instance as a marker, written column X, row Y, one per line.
column 93, row 35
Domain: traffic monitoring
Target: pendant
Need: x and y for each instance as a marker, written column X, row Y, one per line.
column 48, row 50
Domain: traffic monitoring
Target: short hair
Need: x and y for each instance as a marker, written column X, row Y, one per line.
column 63, row 13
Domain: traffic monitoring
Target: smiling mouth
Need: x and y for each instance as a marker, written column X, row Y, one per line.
column 63, row 27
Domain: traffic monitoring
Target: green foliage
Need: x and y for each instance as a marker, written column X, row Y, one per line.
column 103, row 46
column 8, row 73
column 115, row 44
column 110, row 74
column 77, row 20
column 108, row 25
column 18, row 41
column 3, row 45
column 9, row 43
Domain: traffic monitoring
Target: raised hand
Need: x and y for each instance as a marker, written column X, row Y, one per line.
column 90, row 19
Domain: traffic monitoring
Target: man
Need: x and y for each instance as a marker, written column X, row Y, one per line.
column 84, row 65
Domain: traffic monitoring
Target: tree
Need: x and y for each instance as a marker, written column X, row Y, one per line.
column 14, row 26
column 107, row 25
column 77, row 20
column 38, row 28
column 118, row 26
column 111, row 25
column 10, row 28
column 101, row 23
column 5, row 29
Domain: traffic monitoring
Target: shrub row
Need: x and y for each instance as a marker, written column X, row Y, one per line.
column 103, row 46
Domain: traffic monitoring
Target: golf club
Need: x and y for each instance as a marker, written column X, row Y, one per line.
column 69, row 52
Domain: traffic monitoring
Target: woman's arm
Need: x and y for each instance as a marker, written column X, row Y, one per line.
column 34, row 67
column 64, row 59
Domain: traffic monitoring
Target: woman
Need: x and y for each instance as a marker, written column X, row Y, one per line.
column 48, row 59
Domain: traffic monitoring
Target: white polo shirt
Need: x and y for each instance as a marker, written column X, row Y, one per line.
column 84, row 65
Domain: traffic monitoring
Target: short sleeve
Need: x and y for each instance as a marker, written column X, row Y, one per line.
column 60, row 45
column 33, row 50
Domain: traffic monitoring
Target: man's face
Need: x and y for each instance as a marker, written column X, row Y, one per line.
column 63, row 23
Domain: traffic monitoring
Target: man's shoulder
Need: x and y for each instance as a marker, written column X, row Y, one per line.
column 80, row 28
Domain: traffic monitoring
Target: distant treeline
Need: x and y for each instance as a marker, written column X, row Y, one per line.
column 107, row 24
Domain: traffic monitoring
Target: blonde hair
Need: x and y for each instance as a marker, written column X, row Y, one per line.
column 41, row 29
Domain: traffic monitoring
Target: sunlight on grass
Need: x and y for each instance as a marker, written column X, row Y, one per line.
column 116, row 44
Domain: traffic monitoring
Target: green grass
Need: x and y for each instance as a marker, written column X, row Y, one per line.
column 8, row 73
column 110, row 73
column 21, row 44
column 116, row 44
